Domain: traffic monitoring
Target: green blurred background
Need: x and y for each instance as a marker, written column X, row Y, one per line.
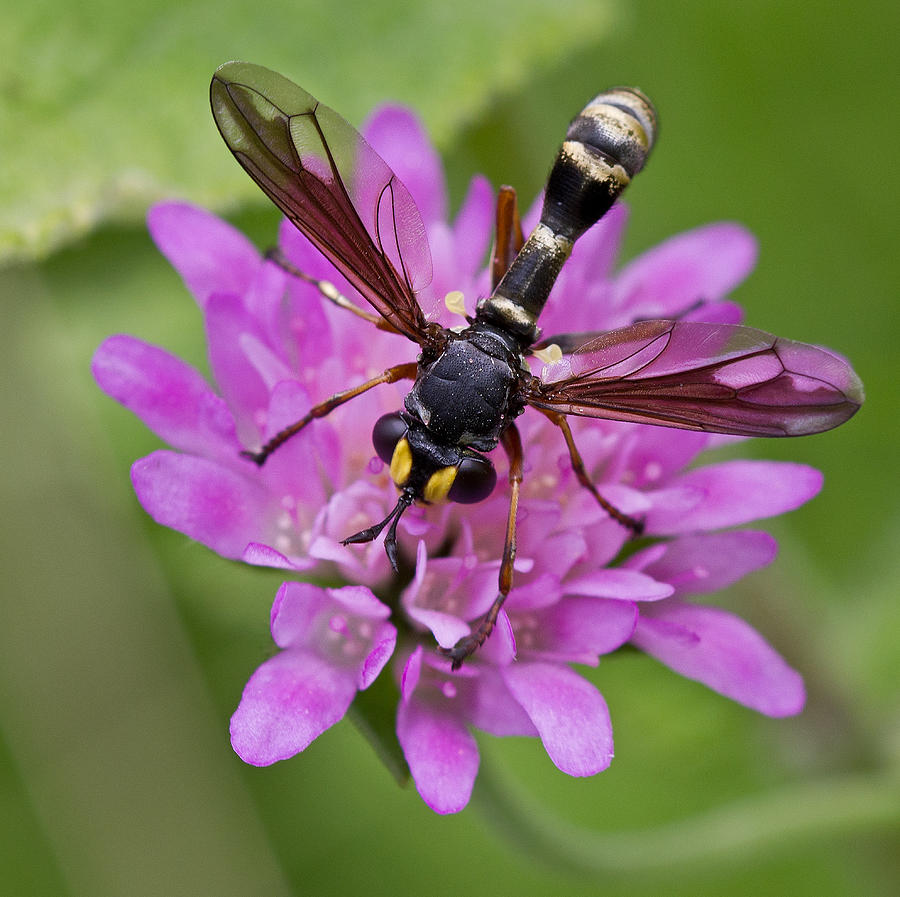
column 124, row 648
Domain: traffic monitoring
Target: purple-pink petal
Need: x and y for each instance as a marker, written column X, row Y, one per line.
column 570, row 715
column 580, row 629
column 723, row 652
column 296, row 606
column 288, row 702
column 202, row 499
column 359, row 601
column 500, row 649
column 657, row 453
column 486, row 703
column 210, row 255
column 711, row 561
column 473, row 224
column 265, row 556
column 167, row 394
column 704, row 264
column 618, row 582
column 447, row 629
column 734, row 492
column 227, row 325
column 384, row 641
column 441, row 753
column 294, row 469
column 397, row 135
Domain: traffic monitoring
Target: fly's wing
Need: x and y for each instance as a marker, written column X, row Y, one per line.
column 721, row 378
column 331, row 184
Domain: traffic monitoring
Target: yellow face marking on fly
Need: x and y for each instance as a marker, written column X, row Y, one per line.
column 401, row 462
column 439, row 484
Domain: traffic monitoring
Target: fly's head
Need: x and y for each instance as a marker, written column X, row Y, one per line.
column 424, row 470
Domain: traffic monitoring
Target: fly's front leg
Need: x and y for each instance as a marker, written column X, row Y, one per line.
column 512, row 443
column 636, row 526
column 328, row 291
column 391, row 375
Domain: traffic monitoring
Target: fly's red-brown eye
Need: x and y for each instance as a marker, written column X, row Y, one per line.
column 389, row 429
column 475, row 481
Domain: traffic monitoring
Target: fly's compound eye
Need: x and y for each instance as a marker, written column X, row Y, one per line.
column 389, row 429
column 475, row 481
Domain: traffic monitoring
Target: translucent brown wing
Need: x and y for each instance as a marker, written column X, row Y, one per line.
column 721, row 378
column 331, row 184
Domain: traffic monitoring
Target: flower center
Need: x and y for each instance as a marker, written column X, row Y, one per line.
column 342, row 638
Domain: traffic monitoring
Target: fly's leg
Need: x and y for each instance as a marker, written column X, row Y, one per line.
column 512, row 443
column 391, row 375
column 508, row 236
column 699, row 303
column 328, row 291
column 636, row 526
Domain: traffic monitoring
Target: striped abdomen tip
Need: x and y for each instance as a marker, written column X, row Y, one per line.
column 621, row 124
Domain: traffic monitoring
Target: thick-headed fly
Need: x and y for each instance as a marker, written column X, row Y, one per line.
column 469, row 387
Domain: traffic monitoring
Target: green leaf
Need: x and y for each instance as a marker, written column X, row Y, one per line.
column 104, row 106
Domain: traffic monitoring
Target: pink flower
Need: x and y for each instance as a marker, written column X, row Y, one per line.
column 276, row 348
column 334, row 641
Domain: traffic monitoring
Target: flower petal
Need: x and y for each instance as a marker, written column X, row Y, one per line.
column 210, row 255
column 703, row 264
column 621, row 583
column 447, row 629
column 568, row 712
column 296, row 606
column 168, row 395
column 359, row 601
column 441, row 753
column 204, row 500
column 658, row 453
column 288, row 702
column 227, row 323
column 487, row 702
column 712, row 561
column 265, row 556
column 473, row 225
column 736, row 492
column 580, row 629
column 397, row 135
column 383, row 643
column 500, row 649
column 723, row 652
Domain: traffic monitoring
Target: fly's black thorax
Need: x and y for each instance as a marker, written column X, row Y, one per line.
column 468, row 394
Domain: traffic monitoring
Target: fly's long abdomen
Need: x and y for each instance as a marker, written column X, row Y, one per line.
column 606, row 145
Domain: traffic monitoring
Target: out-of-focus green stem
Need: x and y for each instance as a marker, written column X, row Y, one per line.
column 749, row 827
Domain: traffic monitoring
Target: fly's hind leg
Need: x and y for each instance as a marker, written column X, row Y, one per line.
column 508, row 236
column 328, row 291
column 391, row 375
column 636, row 526
column 512, row 443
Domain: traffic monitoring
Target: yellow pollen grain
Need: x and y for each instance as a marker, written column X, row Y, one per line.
column 455, row 302
column 549, row 354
